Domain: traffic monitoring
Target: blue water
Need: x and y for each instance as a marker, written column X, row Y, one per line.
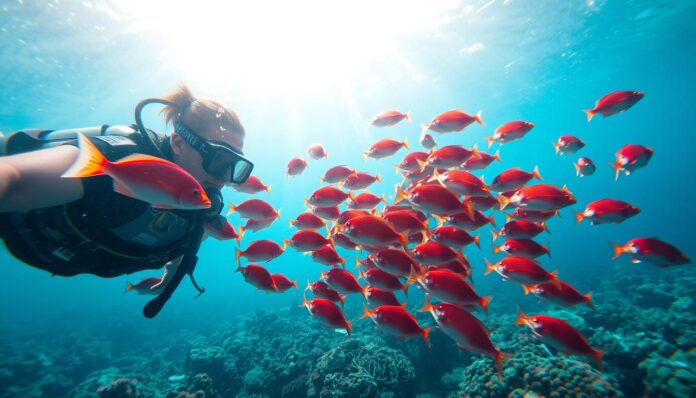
column 72, row 64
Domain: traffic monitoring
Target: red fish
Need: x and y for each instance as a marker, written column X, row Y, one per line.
column 395, row 262
column 513, row 179
column 220, row 229
column 510, row 131
column 328, row 313
column 480, row 161
column 451, row 288
column 460, row 266
column 540, row 197
column 383, row 280
column 345, row 242
column 327, row 213
column 452, row 121
column 384, row 148
column 252, row 185
column 560, row 335
column 522, row 247
column 322, row 290
column 431, row 253
column 427, row 141
column 584, row 167
column 651, row 250
column 607, row 211
column 145, row 286
column 448, row 156
column 157, row 181
column 341, row 281
column 307, row 221
column 568, row 144
column 255, row 225
column 561, row 294
column 316, row 151
column 359, row 180
column 392, row 208
column 411, row 162
column 452, row 236
column 522, row 270
column 466, row 330
column 405, row 221
column 388, row 118
column 367, row 263
column 296, row 166
column 631, row 158
column 520, row 229
column 351, row 214
column 327, row 196
column 372, row 231
column 260, row 250
column 481, row 203
column 416, row 177
column 254, row 208
column 282, row 283
column 613, row 103
column 533, row 215
column 327, row 255
column 461, row 182
column 364, row 201
column 307, row 240
column 336, row 174
column 433, row 199
column 396, row 321
column 258, row 276
column 468, row 221
column 376, row 297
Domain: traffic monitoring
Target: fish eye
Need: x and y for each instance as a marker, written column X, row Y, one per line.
column 196, row 192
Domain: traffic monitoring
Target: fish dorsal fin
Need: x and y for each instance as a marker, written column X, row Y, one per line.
column 140, row 157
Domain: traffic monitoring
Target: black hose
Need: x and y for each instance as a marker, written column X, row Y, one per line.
column 141, row 127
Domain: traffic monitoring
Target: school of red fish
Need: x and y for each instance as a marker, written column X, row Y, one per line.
column 420, row 237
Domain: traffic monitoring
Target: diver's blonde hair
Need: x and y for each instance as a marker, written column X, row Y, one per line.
column 200, row 115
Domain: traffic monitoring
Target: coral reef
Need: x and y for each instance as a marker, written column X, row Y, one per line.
column 646, row 325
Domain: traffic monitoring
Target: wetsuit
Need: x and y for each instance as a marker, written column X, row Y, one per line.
column 103, row 233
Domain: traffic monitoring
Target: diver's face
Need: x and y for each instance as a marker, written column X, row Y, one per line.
column 190, row 160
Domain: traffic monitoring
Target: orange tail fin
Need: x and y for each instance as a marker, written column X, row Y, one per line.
column 490, row 267
column 590, row 114
column 588, row 300
column 90, row 162
column 554, row 279
column 578, row 217
column 597, row 355
column 535, row 173
column 129, row 287
column 477, row 239
column 484, row 303
column 500, row 358
column 618, row 250
column 521, row 317
column 478, row 119
column 426, row 333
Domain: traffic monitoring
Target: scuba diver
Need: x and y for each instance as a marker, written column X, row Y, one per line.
column 70, row 226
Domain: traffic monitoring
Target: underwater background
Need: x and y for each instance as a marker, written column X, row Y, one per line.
column 307, row 72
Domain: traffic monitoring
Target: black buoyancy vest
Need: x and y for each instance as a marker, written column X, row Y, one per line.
column 104, row 233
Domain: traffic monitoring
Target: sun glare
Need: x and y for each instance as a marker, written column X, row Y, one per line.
column 281, row 46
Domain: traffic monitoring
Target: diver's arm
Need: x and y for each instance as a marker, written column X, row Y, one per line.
column 33, row 180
